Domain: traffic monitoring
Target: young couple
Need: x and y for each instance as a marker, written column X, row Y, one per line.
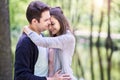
column 45, row 58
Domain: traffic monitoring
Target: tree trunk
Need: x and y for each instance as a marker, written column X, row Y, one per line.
column 109, row 44
column 5, row 51
column 98, row 48
column 91, row 44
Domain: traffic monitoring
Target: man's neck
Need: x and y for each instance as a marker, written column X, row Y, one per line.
column 35, row 30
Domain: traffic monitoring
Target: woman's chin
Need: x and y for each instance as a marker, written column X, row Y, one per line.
column 53, row 33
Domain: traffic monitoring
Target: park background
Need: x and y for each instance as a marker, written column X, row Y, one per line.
column 96, row 26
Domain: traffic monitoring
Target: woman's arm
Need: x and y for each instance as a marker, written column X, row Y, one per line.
column 49, row 42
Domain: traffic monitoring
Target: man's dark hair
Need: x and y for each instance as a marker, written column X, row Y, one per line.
column 35, row 9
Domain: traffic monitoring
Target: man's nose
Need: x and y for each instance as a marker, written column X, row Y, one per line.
column 49, row 22
column 49, row 27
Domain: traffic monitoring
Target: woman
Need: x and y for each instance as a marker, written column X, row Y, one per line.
column 62, row 41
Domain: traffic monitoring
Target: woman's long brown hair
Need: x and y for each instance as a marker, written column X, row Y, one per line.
column 57, row 13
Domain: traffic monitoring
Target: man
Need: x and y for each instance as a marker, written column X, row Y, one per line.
column 31, row 61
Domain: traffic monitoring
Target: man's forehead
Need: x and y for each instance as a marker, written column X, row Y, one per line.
column 45, row 14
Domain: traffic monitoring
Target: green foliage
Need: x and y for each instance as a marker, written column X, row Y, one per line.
column 17, row 13
column 77, row 11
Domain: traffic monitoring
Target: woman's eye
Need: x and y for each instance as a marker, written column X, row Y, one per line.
column 52, row 23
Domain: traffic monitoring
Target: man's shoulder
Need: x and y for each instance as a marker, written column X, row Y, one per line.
column 24, row 40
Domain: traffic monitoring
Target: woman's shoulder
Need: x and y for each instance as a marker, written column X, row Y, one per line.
column 69, row 36
column 70, row 33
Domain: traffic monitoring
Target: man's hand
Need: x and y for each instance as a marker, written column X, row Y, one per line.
column 58, row 76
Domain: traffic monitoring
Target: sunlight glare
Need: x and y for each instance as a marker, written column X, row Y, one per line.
column 98, row 3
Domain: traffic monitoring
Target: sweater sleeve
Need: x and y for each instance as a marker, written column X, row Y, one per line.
column 51, row 42
column 22, row 62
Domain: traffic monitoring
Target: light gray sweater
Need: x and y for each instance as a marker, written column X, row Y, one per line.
column 64, row 47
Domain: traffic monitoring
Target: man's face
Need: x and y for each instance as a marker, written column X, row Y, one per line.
column 44, row 22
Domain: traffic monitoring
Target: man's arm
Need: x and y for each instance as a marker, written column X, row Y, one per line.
column 51, row 62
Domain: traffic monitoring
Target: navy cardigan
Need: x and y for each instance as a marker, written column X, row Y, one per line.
column 26, row 55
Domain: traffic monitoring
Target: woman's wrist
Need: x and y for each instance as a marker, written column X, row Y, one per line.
column 27, row 30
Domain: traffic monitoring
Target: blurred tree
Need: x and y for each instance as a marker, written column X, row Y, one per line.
column 98, row 45
column 109, row 43
column 5, row 51
column 91, row 41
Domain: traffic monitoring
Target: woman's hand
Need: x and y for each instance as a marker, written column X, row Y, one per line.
column 27, row 30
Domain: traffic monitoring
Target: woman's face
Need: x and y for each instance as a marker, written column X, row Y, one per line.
column 55, row 26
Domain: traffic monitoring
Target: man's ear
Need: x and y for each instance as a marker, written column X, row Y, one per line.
column 34, row 21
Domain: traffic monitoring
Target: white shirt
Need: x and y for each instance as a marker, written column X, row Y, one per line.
column 41, row 66
column 65, row 45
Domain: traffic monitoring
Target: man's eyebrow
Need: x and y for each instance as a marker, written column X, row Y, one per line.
column 47, row 19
